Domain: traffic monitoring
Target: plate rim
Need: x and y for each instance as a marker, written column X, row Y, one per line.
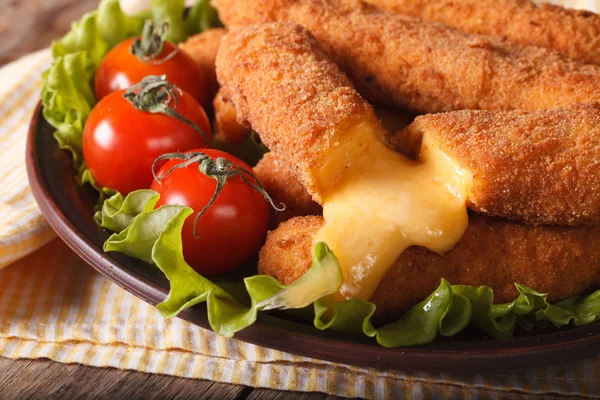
column 578, row 343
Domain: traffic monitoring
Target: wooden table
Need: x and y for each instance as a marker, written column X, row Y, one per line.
column 25, row 26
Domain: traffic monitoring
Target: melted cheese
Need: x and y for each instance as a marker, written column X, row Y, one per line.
column 379, row 203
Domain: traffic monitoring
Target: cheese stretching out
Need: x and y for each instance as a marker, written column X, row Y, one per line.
column 384, row 203
column 376, row 201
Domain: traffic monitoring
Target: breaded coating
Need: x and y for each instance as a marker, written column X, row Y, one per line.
column 285, row 86
column 573, row 33
column 560, row 261
column 203, row 48
column 540, row 167
column 427, row 67
column 227, row 128
column 283, row 186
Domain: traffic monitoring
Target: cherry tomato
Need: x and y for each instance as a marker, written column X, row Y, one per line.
column 120, row 142
column 231, row 230
column 120, row 70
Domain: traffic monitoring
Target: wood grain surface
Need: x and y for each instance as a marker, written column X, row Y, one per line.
column 26, row 26
column 43, row 379
column 29, row 25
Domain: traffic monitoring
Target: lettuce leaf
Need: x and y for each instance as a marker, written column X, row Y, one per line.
column 67, row 92
column 154, row 236
column 201, row 16
column 68, row 99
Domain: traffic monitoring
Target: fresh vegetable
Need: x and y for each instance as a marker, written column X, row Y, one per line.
column 323, row 279
column 67, row 92
column 128, row 130
column 231, row 211
column 135, row 58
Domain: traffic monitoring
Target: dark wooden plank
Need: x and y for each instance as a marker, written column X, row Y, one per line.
column 28, row 25
column 266, row 394
column 35, row 379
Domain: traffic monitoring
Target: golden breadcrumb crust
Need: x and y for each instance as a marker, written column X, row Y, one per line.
column 283, row 84
column 560, row 261
column 574, row 33
column 541, row 167
column 227, row 128
column 283, row 186
column 203, row 48
column 427, row 67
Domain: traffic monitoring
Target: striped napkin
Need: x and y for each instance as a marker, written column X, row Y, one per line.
column 53, row 305
column 22, row 226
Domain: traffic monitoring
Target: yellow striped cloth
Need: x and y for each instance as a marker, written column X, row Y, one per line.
column 22, row 227
column 52, row 305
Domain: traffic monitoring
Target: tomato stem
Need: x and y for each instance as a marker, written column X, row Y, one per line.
column 154, row 94
column 151, row 44
column 220, row 169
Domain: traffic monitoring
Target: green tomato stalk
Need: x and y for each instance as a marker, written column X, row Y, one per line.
column 154, row 94
column 151, row 44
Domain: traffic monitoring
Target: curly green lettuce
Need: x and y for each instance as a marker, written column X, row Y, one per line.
column 154, row 236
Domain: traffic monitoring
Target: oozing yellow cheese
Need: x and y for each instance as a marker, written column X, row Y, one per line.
column 381, row 203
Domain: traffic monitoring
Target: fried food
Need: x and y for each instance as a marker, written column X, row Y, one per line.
column 427, row 67
column 227, row 128
column 573, row 33
column 283, row 186
column 283, row 84
column 203, row 49
column 560, row 261
column 541, row 167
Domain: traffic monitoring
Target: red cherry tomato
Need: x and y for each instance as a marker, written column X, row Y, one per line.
column 231, row 230
column 120, row 70
column 120, row 143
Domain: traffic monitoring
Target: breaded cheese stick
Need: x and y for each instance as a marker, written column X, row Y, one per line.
column 571, row 32
column 560, row 261
column 227, row 128
column 540, row 167
column 283, row 186
column 427, row 67
column 301, row 104
column 203, row 49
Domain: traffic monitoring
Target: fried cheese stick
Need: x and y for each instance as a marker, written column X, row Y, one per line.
column 227, row 128
column 427, row 67
column 203, row 49
column 560, row 261
column 573, row 33
column 540, row 167
column 282, row 83
column 283, row 186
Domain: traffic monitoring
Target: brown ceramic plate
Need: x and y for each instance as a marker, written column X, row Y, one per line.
column 68, row 209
